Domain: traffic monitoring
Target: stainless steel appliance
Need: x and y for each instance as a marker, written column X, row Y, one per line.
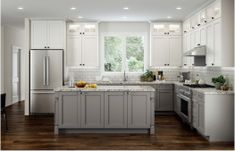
column 46, row 73
column 184, row 97
column 199, row 54
column 185, row 103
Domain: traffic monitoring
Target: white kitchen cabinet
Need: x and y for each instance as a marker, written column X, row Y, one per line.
column 160, row 29
column 175, row 50
column 208, row 116
column 74, row 50
column 139, row 111
column 69, row 105
column 115, row 110
column 160, row 51
column 213, row 11
column 188, row 61
column 92, row 110
column 216, row 32
column 47, row 34
column 75, row 29
column 210, row 44
column 166, row 51
column 90, row 52
column 82, row 45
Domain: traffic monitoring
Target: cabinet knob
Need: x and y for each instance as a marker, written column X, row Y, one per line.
column 48, row 47
column 80, row 33
column 185, row 64
column 212, row 64
column 83, row 64
column 80, row 64
column 45, row 47
column 185, row 31
column 198, row 24
column 205, row 21
column 212, row 18
column 83, row 33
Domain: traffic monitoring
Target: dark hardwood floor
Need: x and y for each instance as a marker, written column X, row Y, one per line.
column 36, row 132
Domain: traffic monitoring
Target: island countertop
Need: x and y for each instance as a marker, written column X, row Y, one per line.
column 107, row 88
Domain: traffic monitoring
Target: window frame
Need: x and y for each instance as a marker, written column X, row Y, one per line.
column 124, row 63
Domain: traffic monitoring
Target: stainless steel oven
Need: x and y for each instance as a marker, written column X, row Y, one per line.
column 185, row 109
column 185, row 104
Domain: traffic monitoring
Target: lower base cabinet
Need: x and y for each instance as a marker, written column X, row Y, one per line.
column 213, row 116
column 92, row 107
column 115, row 110
column 164, row 98
column 139, row 110
column 101, row 110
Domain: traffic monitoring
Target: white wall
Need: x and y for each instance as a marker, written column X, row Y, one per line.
column 12, row 37
column 2, row 60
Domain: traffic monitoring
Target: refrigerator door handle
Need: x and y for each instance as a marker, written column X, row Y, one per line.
column 48, row 70
column 44, row 70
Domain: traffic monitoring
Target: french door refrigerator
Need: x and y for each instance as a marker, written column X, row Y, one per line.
column 46, row 74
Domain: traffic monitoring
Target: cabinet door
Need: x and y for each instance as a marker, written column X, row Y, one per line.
column 203, row 36
column 69, row 107
column 165, row 100
column 115, row 110
column 90, row 29
column 175, row 51
column 210, row 45
column 56, row 33
column 160, row 51
column 90, row 51
column 74, row 29
column 217, row 43
column 174, row 29
column 201, row 118
column 195, row 114
column 74, row 50
column 92, row 110
column 159, row 29
column 189, row 60
column 139, row 110
column 39, row 34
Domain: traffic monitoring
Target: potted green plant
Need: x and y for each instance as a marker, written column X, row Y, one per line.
column 218, row 82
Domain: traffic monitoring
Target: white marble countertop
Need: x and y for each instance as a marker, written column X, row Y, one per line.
column 108, row 88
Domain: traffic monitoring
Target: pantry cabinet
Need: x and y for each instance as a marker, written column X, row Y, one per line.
column 82, row 45
column 166, row 44
column 215, row 32
column 47, row 34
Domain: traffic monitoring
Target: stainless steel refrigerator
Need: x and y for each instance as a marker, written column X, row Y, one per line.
column 46, row 74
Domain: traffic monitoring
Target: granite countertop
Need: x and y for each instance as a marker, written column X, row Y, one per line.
column 108, row 88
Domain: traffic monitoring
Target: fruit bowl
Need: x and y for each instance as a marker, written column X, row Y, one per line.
column 80, row 84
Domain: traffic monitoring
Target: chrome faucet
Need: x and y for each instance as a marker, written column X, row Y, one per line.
column 124, row 76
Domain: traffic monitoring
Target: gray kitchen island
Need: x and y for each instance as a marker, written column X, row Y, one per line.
column 105, row 109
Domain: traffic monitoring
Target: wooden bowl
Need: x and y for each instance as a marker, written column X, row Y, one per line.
column 80, row 85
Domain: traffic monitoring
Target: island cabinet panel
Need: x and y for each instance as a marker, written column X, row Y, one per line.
column 139, row 111
column 69, row 105
column 115, row 110
column 92, row 110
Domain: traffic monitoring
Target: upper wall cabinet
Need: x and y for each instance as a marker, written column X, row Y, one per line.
column 216, row 32
column 47, row 34
column 166, row 44
column 160, row 29
column 82, row 28
column 82, row 45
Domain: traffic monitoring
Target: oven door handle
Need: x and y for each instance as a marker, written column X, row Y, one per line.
column 183, row 97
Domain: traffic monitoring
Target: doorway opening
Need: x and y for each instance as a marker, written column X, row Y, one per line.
column 16, row 74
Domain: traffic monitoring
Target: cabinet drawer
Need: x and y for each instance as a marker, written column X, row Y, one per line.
column 165, row 86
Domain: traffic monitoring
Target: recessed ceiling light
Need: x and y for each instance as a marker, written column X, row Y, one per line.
column 178, row 8
column 73, row 8
column 125, row 8
column 80, row 17
column 169, row 17
column 20, row 8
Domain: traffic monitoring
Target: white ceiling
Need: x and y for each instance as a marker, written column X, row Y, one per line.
column 101, row 10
